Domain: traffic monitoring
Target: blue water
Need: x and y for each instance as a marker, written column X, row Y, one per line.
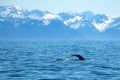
column 37, row 60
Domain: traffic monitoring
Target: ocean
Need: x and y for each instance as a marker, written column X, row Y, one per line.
column 38, row 60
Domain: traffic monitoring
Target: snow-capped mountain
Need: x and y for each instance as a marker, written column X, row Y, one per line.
column 16, row 22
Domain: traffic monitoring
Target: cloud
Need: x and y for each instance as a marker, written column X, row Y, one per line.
column 102, row 26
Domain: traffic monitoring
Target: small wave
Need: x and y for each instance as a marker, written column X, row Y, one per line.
column 16, row 75
column 110, row 67
column 98, row 72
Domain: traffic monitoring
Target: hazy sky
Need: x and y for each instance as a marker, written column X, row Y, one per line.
column 108, row 7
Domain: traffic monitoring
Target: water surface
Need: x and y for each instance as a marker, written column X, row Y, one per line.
column 37, row 60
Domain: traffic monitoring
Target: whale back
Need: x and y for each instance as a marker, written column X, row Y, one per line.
column 79, row 56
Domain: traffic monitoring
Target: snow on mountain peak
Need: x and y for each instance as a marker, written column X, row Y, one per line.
column 4, row 10
column 48, row 17
column 72, row 22
column 18, row 8
column 34, row 16
column 11, row 11
column 102, row 26
column 51, row 16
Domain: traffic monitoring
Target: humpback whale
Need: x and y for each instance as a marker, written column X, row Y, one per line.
column 78, row 56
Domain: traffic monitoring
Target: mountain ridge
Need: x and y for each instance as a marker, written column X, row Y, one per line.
column 16, row 22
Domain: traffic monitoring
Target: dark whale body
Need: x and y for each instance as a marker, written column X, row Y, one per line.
column 79, row 56
column 66, row 59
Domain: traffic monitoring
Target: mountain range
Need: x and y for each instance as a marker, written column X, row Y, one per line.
column 19, row 23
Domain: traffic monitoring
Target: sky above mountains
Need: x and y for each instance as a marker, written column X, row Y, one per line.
column 108, row 7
